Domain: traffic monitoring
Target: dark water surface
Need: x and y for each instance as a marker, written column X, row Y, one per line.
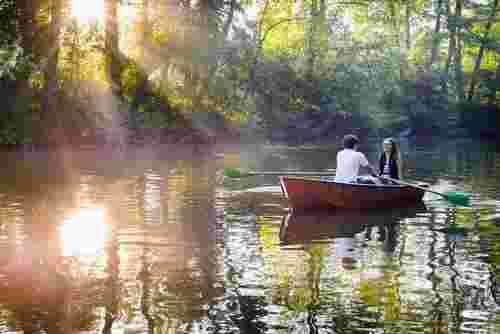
column 154, row 241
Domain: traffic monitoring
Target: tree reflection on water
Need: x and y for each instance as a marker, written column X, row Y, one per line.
column 377, row 289
column 175, row 252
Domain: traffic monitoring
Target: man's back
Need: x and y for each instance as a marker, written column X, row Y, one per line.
column 348, row 163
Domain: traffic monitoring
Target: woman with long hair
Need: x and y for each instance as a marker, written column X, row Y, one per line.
column 390, row 162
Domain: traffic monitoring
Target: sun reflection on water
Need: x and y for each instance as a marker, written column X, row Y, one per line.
column 85, row 233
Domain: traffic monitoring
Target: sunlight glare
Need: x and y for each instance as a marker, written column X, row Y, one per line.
column 87, row 11
column 85, row 233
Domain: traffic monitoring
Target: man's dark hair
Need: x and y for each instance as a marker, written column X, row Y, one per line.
column 350, row 140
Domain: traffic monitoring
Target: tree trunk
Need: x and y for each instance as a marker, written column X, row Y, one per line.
column 111, row 45
column 49, row 105
column 397, row 35
column 53, row 46
column 459, row 71
column 229, row 19
column 408, row 25
column 323, row 29
column 493, row 96
column 225, row 31
column 451, row 48
column 143, row 63
column 404, row 33
column 477, row 64
column 311, row 37
column 435, row 39
column 146, row 34
column 201, row 69
column 26, row 12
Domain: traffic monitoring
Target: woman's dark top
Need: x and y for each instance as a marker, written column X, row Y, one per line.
column 393, row 166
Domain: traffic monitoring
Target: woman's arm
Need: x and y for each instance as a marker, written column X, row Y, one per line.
column 373, row 171
column 400, row 166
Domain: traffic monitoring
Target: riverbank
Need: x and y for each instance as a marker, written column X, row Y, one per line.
column 322, row 128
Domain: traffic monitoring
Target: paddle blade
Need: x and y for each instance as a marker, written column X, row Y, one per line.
column 458, row 198
column 234, row 173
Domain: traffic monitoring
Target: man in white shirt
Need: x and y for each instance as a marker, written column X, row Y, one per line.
column 349, row 160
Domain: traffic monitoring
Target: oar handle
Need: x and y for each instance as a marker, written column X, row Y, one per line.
column 411, row 185
column 235, row 173
column 292, row 173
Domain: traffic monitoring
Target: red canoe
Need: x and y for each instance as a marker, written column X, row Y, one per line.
column 306, row 193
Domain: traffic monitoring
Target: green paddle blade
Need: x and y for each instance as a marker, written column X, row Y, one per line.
column 234, row 173
column 458, row 198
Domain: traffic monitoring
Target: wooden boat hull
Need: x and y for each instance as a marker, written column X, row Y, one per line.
column 305, row 193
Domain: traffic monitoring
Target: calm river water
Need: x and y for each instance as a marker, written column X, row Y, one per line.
column 155, row 241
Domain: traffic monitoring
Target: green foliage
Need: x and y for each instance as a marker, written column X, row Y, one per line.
column 479, row 119
column 13, row 64
column 278, row 64
column 131, row 75
column 14, row 123
column 418, row 106
column 8, row 18
column 282, row 28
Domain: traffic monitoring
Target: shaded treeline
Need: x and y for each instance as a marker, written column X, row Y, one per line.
column 151, row 66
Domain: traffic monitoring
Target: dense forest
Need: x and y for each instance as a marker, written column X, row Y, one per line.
column 147, row 71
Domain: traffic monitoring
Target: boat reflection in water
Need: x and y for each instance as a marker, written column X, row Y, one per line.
column 299, row 227
column 349, row 260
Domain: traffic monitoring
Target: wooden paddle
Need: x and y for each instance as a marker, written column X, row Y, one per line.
column 454, row 197
column 236, row 173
